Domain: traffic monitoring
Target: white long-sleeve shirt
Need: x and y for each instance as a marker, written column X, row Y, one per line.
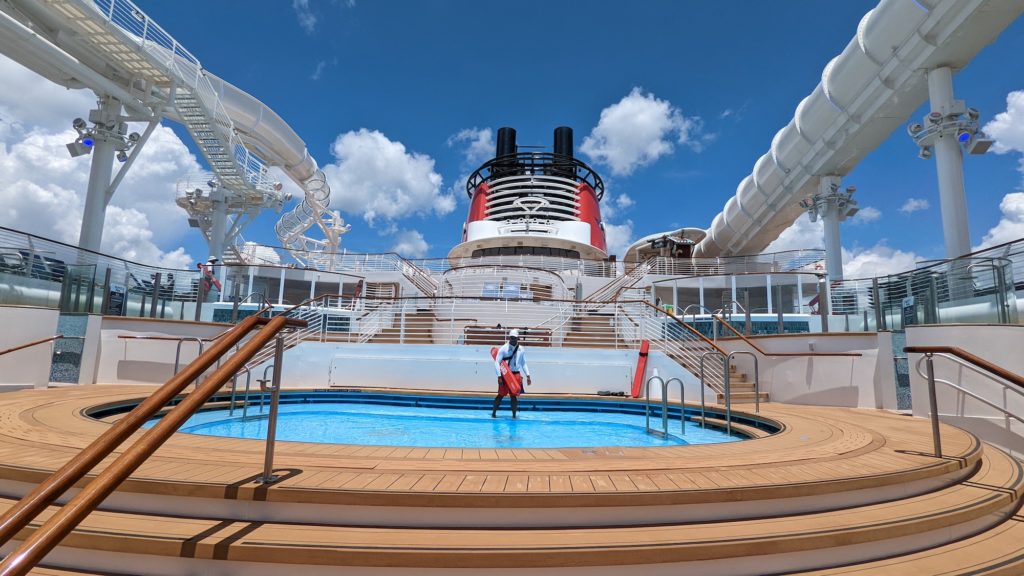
column 517, row 363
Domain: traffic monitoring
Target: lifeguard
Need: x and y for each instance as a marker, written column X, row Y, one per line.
column 515, row 357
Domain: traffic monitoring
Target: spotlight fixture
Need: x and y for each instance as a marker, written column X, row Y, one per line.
column 925, row 153
column 133, row 137
column 121, row 156
column 914, row 129
column 78, row 124
column 77, row 149
column 979, row 144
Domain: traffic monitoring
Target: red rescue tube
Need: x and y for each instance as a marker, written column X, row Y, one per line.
column 513, row 382
column 641, row 369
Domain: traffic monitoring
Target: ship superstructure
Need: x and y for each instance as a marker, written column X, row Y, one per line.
column 533, row 202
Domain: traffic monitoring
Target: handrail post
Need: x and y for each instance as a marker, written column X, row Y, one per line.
column 177, row 353
column 682, row 405
column 664, row 406
column 728, row 394
column 647, row 401
column 934, row 405
column 275, row 396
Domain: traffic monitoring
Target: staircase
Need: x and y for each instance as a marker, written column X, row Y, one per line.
column 419, row 278
column 610, row 291
column 417, row 327
column 590, row 331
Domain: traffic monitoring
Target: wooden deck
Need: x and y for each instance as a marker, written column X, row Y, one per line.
column 820, row 452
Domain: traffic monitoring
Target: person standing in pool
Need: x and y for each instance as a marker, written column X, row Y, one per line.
column 514, row 354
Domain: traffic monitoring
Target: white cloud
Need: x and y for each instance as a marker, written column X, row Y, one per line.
column 258, row 254
column 878, row 260
column 619, row 237
column 802, row 235
column 42, row 189
column 479, row 144
column 613, row 204
column 1010, row 226
column 638, row 130
column 411, row 244
column 865, row 215
column 378, row 179
column 914, row 205
column 318, row 72
column 307, row 20
column 1007, row 128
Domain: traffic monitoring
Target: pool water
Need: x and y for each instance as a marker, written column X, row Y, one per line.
column 440, row 427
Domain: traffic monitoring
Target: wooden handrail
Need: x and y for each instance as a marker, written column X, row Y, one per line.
column 31, row 344
column 19, row 515
column 36, row 546
column 780, row 354
column 965, row 355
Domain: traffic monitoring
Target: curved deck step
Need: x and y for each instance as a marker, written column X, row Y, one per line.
column 820, row 460
column 928, row 520
column 995, row 552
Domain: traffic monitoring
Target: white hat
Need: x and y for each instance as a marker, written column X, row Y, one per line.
column 514, row 333
column 212, row 259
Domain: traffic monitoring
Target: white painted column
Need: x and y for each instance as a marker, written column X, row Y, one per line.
column 219, row 222
column 103, row 151
column 733, row 294
column 700, row 285
column 949, row 164
column 280, row 289
column 768, row 289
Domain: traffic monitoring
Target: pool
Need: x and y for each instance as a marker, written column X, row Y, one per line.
column 449, row 422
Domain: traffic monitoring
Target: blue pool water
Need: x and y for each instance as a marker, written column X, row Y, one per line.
column 451, row 427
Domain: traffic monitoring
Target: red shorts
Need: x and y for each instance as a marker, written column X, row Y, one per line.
column 503, row 388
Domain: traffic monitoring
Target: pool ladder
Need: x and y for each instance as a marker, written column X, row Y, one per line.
column 664, row 405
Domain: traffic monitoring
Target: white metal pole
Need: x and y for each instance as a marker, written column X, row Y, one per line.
column 99, row 180
column 219, row 224
column 949, row 164
column 833, row 247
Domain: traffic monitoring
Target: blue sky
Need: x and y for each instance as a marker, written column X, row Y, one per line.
column 421, row 73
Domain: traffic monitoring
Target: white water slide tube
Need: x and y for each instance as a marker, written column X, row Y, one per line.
column 864, row 94
column 271, row 138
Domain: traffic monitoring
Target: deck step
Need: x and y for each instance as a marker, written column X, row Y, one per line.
column 932, row 519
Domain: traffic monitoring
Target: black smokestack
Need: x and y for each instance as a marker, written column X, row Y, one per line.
column 563, row 141
column 506, row 142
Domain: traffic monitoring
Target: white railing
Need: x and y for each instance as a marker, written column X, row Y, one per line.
column 186, row 69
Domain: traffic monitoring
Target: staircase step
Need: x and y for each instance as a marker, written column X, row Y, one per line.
column 785, row 543
column 742, row 397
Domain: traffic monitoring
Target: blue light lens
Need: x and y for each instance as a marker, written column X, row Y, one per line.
column 964, row 137
column 88, row 142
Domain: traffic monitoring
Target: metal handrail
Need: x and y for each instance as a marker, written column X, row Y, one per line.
column 702, row 384
column 275, row 399
column 35, row 547
column 647, row 399
column 698, row 307
column 177, row 351
column 1003, row 373
column 31, row 344
column 234, row 389
column 757, row 378
column 665, row 404
column 949, row 352
column 780, row 354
